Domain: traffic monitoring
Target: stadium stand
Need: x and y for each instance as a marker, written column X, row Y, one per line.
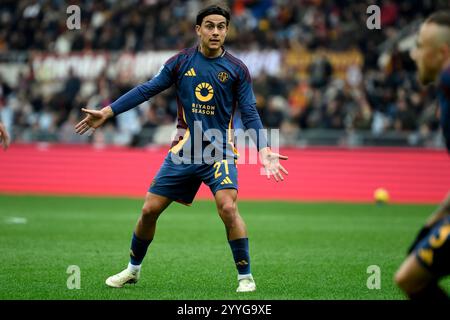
column 318, row 75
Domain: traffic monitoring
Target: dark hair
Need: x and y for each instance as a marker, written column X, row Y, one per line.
column 441, row 18
column 213, row 9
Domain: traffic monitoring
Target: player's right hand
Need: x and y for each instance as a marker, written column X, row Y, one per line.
column 93, row 119
column 4, row 137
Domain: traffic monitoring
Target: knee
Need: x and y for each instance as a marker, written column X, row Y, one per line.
column 403, row 281
column 149, row 212
column 227, row 211
column 400, row 279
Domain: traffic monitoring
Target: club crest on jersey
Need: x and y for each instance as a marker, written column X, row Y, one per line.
column 204, row 92
column 223, row 76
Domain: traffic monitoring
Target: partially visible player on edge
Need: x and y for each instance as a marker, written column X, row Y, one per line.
column 210, row 84
column 429, row 256
column 4, row 137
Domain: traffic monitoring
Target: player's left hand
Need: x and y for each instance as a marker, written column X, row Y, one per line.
column 271, row 162
column 4, row 137
column 93, row 119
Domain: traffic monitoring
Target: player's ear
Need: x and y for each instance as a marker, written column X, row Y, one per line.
column 197, row 29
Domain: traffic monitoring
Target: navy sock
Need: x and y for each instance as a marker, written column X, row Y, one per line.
column 138, row 250
column 239, row 247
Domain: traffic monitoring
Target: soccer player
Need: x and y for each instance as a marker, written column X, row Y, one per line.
column 4, row 137
column 429, row 256
column 210, row 84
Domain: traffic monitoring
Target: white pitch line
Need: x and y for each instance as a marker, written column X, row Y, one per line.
column 16, row 220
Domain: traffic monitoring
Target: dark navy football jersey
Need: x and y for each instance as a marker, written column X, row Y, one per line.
column 209, row 92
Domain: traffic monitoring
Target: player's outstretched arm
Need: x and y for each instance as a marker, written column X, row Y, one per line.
column 93, row 119
column 271, row 162
column 4, row 137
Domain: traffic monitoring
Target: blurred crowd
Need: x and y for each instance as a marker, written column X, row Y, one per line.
column 376, row 97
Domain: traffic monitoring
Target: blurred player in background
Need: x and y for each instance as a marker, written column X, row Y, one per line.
column 210, row 85
column 429, row 256
column 4, row 137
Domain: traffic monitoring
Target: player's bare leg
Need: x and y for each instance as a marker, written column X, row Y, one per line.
column 154, row 205
column 417, row 282
column 226, row 202
column 143, row 234
column 413, row 278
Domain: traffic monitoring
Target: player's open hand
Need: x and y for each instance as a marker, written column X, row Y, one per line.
column 4, row 137
column 271, row 162
column 93, row 119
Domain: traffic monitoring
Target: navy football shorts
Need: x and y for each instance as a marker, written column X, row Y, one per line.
column 180, row 182
column 433, row 252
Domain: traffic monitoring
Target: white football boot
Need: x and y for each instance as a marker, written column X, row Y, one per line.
column 246, row 285
column 122, row 278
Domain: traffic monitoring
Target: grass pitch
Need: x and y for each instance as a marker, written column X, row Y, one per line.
column 298, row 250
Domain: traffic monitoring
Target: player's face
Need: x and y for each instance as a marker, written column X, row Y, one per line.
column 428, row 54
column 212, row 32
